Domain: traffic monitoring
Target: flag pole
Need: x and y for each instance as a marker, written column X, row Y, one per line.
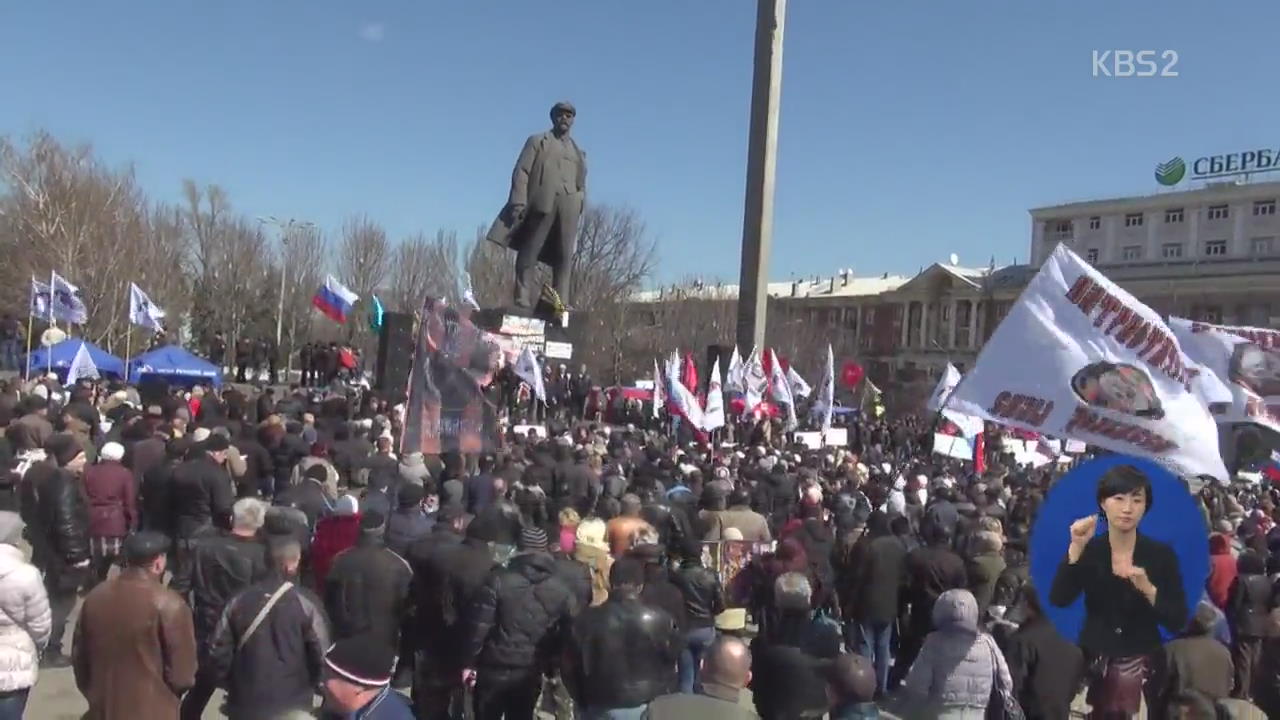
column 128, row 335
column 49, row 350
column 30, row 321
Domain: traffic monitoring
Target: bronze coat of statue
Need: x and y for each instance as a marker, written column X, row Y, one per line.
column 540, row 219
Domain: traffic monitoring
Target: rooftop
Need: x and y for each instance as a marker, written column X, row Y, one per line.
column 1207, row 191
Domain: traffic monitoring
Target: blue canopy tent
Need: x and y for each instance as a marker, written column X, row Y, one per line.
column 175, row 365
column 65, row 352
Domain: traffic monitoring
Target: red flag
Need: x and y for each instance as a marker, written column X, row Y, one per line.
column 980, row 453
column 689, row 374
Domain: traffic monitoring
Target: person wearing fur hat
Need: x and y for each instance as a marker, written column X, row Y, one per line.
column 357, row 681
column 58, row 525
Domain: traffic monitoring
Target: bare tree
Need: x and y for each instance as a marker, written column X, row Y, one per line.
column 492, row 269
column 425, row 267
column 304, row 257
column 364, row 256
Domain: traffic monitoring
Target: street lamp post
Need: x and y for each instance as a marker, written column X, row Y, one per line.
column 286, row 229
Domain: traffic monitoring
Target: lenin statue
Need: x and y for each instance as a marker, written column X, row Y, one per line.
column 540, row 219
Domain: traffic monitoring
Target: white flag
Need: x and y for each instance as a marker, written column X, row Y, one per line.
column 799, row 388
column 968, row 424
column 40, row 297
column 81, row 365
column 826, row 400
column 780, row 389
column 1079, row 357
column 66, row 303
column 680, row 400
column 755, row 381
column 142, row 311
column 735, row 380
column 1245, row 361
column 713, row 414
column 468, row 292
column 659, row 390
column 527, row 369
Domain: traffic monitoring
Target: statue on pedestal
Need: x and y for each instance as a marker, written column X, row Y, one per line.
column 540, row 219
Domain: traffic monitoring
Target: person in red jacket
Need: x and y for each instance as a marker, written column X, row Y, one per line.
column 1222, row 569
column 113, row 508
column 334, row 533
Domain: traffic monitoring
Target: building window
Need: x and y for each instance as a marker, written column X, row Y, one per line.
column 1173, row 215
column 946, row 312
column 1131, row 252
column 1218, row 212
column 1133, row 220
column 1261, row 246
column 1095, row 223
column 1264, row 207
column 1171, row 251
column 1214, row 248
column 1091, row 256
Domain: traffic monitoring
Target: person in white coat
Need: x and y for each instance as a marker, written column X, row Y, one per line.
column 25, row 620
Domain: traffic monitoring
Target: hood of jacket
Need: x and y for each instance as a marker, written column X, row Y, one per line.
column 956, row 610
column 594, row 557
column 534, row 566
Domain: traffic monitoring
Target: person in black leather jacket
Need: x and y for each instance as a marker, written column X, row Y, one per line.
column 59, row 532
column 222, row 565
column 367, row 589
column 1248, row 605
column 201, row 498
column 703, row 601
column 517, row 622
column 622, row 654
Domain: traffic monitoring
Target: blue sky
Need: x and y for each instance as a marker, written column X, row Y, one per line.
column 909, row 130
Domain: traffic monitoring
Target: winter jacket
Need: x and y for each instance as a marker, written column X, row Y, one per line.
column 954, row 669
column 134, row 652
column 703, row 594
column 448, row 573
column 785, row 659
column 413, row 470
column 1195, row 661
column 367, row 591
column 984, row 571
column 113, row 506
column 576, row 577
column 309, row 496
column 598, row 562
column 157, row 498
column 622, row 654
column 1046, row 670
column 879, row 575
column 24, row 620
column 200, row 496
column 300, row 471
column 60, row 531
column 405, row 527
column 519, row 615
column 1247, row 605
column 281, row 664
column 221, row 566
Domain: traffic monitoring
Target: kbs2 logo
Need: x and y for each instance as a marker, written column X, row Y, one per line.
column 1134, row 63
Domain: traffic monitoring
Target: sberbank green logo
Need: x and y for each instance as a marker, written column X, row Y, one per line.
column 1172, row 172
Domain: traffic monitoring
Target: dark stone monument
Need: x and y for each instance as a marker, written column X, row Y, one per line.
column 540, row 218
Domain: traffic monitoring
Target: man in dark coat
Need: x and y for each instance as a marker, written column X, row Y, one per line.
column 367, row 589
column 518, row 618
column 222, row 565
column 277, row 667
column 876, row 581
column 58, row 525
column 1047, row 670
column 540, row 219
column 932, row 569
column 448, row 571
column 1195, row 661
column 201, row 498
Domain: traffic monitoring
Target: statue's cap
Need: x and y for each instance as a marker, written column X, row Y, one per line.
column 564, row 105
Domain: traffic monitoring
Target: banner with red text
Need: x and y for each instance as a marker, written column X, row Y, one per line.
column 1079, row 357
column 1245, row 360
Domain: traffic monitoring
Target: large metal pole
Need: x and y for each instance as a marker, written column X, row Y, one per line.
column 762, row 154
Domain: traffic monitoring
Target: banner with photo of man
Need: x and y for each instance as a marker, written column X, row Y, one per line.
column 1245, row 360
column 1079, row 357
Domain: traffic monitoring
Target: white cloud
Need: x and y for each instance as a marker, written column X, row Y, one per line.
column 373, row 32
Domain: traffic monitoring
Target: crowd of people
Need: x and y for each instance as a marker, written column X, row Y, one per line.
column 273, row 544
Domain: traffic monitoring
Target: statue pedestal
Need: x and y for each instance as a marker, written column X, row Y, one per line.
column 551, row 339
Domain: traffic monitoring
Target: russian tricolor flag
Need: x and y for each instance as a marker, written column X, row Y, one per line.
column 334, row 299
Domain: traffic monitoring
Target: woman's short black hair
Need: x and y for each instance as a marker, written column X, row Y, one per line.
column 1124, row 480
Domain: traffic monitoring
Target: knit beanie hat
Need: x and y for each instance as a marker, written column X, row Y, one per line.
column 112, row 451
column 532, row 538
column 363, row 659
column 347, row 505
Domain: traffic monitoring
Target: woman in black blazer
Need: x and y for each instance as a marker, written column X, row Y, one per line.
column 1132, row 585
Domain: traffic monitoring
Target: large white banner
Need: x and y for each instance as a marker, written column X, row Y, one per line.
column 1079, row 357
column 1246, row 360
column 953, row 446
